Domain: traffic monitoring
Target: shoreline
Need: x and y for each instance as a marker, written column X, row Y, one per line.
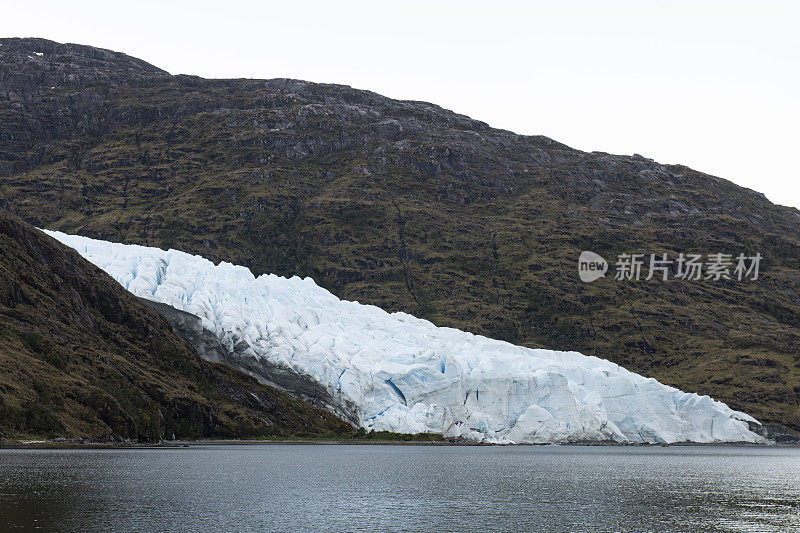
column 81, row 444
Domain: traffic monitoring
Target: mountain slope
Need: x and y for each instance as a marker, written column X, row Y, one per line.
column 410, row 207
column 80, row 356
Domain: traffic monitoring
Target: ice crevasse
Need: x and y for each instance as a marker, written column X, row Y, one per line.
column 399, row 373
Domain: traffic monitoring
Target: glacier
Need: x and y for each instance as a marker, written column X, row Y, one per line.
column 395, row 372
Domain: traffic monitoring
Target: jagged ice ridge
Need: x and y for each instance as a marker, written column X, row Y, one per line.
column 399, row 373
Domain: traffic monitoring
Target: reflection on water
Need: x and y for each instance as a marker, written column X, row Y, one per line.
column 402, row 488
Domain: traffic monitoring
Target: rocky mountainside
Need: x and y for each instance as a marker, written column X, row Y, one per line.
column 410, row 207
column 81, row 357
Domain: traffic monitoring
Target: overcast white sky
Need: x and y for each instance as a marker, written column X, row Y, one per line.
column 710, row 84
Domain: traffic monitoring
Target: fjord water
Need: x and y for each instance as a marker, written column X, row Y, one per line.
column 402, row 488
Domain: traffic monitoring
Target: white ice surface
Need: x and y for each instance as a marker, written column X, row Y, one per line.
column 405, row 374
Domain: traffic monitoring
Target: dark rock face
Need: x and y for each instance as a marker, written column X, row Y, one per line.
column 410, row 207
column 37, row 70
column 31, row 65
column 190, row 329
column 776, row 434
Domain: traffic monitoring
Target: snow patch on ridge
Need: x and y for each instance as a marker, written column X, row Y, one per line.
column 407, row 375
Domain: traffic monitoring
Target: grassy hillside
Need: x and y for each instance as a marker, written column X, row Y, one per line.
column 409, row 207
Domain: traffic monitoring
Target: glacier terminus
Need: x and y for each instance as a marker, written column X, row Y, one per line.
column 395, row 372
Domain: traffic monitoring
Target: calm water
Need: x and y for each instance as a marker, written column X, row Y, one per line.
column 402, row 488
